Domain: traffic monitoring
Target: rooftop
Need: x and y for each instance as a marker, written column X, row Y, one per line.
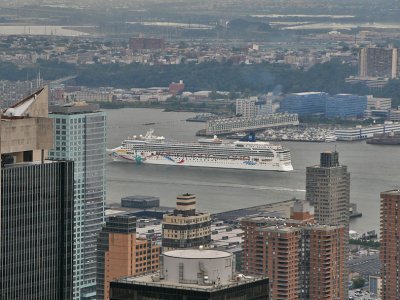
column 35, row 105
column 155, row 281
column 197, row 253
column 392, row 192
column 366, row 265
column 74, row 108
column 308, row 93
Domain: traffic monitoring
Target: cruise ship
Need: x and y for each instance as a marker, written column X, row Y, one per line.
column 247, row 153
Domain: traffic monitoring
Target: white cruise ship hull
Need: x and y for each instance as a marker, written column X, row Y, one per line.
column 273, row 165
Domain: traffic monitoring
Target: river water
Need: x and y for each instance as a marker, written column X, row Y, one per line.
column 373, row 169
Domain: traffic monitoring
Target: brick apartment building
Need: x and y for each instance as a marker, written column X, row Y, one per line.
column 303, row 260
column 122, row 253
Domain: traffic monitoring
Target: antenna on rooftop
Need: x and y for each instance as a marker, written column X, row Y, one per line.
column 38, row 80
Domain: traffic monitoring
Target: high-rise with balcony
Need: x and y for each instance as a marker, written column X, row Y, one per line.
column 80, row 136
column 326, row 262
column 122, row 253
column 328, row 190
column 282, row 267
column 186, row 227
column 379, row 62
column 36, row 207
column 302, row 260
column 390, row 248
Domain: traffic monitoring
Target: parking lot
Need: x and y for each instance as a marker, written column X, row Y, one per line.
column 361, row 295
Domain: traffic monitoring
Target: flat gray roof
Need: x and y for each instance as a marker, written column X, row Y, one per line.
column 150, row 280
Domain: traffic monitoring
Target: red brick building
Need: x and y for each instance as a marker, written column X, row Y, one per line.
column 302, row 260
column 122, row 253
column 326, row 262
column 176, row 88
column 141, row 43
column 390, row 248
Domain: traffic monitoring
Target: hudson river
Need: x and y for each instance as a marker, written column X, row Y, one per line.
column 373, row 169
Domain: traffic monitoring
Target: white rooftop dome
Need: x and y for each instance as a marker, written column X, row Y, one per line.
column 198, row 266
column 197, row 253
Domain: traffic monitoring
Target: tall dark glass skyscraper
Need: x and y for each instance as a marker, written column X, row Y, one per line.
column 36, row 207
column 36, row 231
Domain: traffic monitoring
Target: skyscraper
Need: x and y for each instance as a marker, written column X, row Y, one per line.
column 80, row 136
column 185, row 227
column 328, row 190
column 390, row 248
column 36, row 205
column 122, row 253
column 379, row 62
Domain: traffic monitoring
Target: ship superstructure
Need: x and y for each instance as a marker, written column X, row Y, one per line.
column 210, row 153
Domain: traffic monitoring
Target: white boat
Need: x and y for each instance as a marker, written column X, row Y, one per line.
column 211, row 153
column 330, row 138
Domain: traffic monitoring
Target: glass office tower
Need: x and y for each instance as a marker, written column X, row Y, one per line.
column 80, row 136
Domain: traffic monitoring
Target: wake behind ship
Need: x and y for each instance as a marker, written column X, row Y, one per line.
column 208, row 153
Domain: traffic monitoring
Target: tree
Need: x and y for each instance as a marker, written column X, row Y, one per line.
column 358, row 282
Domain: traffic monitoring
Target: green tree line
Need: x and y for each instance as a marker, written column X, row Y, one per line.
column 250, row 79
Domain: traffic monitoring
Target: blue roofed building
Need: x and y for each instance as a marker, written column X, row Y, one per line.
column 346, row 106
column 304, row 104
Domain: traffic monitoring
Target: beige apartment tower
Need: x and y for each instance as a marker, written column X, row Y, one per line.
column 185, row 227
column 328, row 190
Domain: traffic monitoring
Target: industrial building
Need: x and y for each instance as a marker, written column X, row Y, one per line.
column 233, row 125
column 361, row 132
column 140, row 201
